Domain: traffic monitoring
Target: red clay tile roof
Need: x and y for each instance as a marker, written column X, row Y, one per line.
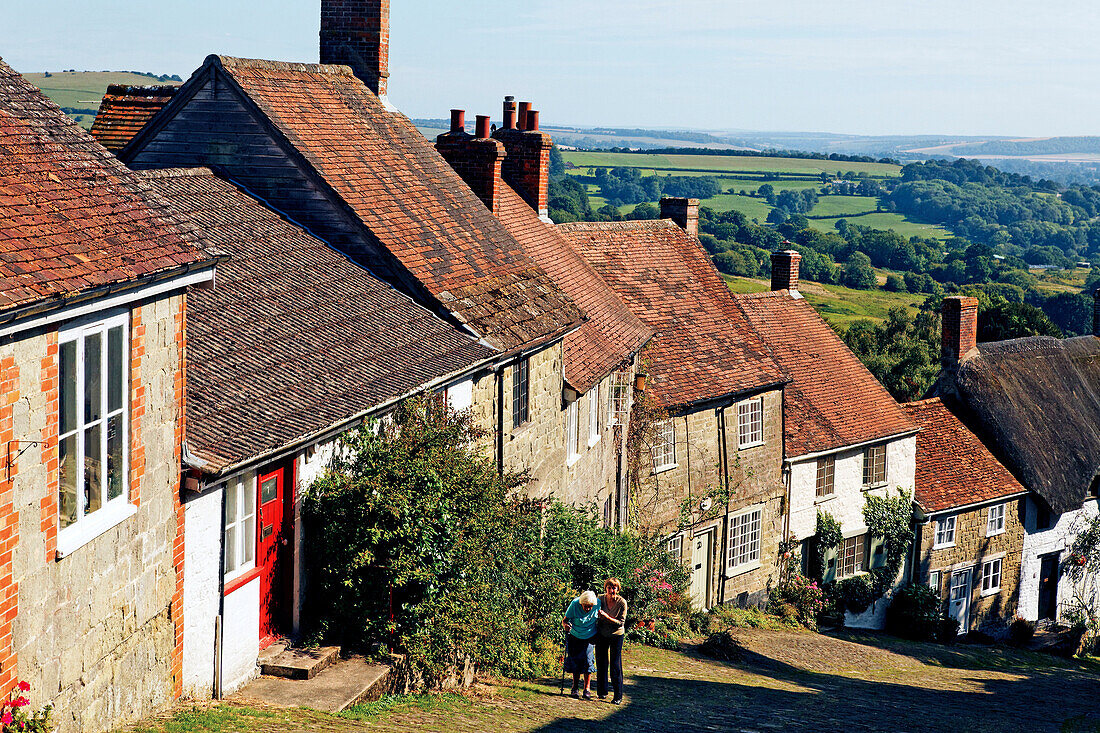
column 954, row 468
column 834, row 400
column 704, row 348
column 72, row 217
column 125, row 110
column 612, row 334
column 409, row 198
column 296, row 338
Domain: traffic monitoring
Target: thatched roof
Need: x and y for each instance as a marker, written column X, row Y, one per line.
column 1037, row 400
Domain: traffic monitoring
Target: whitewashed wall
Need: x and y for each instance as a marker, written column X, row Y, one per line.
column 846, row 503
column 201, row 589
column 240, row 636
column 1041, row 542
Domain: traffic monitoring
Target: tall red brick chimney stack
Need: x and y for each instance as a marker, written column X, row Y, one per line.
column 476, row 158
column 356, row 33
column 959, row 330
column 527, row 164
column 785, row 266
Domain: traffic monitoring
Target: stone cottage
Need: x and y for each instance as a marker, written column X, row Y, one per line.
column 710, row 474
column 845, row 437
column 1035, row 402
column 93, row 337
column 297, row 345
column 969, row 530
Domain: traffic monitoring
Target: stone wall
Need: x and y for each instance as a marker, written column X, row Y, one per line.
column 97, row 632
column 992, row 612
column 754, row 479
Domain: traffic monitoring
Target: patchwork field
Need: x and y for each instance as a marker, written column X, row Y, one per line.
column 837, row 304
column 724, row 163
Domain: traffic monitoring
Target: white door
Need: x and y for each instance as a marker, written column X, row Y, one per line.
column 700, row 570
column 959, row 607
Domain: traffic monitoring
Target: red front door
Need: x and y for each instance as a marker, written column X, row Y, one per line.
column 272, row 553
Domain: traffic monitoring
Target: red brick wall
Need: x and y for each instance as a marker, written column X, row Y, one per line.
column 9, row 520
column 48, row 503
column 527, row 164
column 357, row 33
column 960, row 327
column 478, row 161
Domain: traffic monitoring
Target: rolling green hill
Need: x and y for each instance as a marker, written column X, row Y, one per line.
column 80, row 92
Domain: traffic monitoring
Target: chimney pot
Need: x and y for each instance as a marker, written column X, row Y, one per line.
column 532, row 121
column 959, row 329
column 683, row 211
column 483, row 125
column 524, row 108
column 458, row 120
column 785, row 266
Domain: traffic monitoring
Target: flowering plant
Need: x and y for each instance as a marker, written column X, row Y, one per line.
column 16, row 715
column 652, row 592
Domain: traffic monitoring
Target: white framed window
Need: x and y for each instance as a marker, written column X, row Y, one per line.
column 826, row 471
column 934, row 581
column 93, row 430
column 744, row 539
column 240, row 526
column 594, row 415
column 750, row 423
column 874, row 465
column 618, row 398
column 991, row 576
column 945, row 533
column 995, row 522
column 572, row 431
column 664, row 446
column 675, row 547
column 850, row 556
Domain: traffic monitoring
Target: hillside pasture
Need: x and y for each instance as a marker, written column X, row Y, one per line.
column 85, row 89
column 885, row 220
column 725, row 163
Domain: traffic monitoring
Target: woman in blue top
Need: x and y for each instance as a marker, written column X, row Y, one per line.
column 580, row 625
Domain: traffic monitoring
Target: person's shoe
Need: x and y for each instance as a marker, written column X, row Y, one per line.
column 602, row 697
column 587, row 694
column 617, row 701
column 574, row 693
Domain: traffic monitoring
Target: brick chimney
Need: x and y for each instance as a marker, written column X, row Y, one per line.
column 356, row 33
column 527, row 164
column 476, row 158
column 959, row 329
column 785, row 270
column 684, row 212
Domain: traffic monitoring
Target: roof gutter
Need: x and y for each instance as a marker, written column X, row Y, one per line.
column 853, row 446
column 52, row 310
column 972, row 505
column 727, row 399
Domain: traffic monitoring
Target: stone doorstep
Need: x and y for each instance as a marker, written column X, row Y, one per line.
column 349, row 682
column 297, row 664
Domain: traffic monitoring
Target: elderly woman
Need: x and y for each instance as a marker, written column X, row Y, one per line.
column 580, row 625
column 609, row 640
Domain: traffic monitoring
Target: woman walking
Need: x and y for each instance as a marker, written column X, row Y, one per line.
column 609, row 640
column 580, row 626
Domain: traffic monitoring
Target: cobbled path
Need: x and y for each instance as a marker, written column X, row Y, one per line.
column 787, row 681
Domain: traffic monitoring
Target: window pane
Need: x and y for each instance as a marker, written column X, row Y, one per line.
column 248, row 498
column 66, row 494
column 231, row 503
column 269, row 490
column 114, row 456
column 93, row 397
column 248, row 539
column 93, row 469
column 230, row 549
column 114, row 369
column 67, row 388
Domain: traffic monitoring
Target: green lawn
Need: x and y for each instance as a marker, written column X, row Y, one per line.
column 885, row 220
column 836, row 304
column 753, row 208
column 844, row 205
column 85, row 89
column 724, row 163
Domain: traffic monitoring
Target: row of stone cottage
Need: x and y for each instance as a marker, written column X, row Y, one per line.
column 270, row 254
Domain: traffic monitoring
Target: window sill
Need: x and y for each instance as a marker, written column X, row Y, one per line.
column 823, row 499
column 991, row 592
column 666, row 467
column 746, row 446
column 240, row 580
column 872, row 487
column 570, row 460
column 519, row 430
column 994, row 534
column 741, row 569
column 75, row 536
column 593, row 441
column 943, row 547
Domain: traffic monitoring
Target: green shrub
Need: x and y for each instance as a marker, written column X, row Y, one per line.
column 799, row 599
column 1020, row 631
column 914, row 613
column 415, row 522
column 854, row 594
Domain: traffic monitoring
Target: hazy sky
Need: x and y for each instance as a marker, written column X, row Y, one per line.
column 1002, row 67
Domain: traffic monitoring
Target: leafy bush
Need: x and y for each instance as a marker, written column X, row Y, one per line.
column 417, row 543
column 722, row 646
column 1020, row 631
column 799, row 599
column 854, row 594
column 949, row 630
column 914, row 613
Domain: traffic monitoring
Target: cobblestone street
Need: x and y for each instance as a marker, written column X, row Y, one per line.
column 788, row 681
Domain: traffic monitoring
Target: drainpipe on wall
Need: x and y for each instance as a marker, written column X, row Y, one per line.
column 724, row 464
column 500, row 420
